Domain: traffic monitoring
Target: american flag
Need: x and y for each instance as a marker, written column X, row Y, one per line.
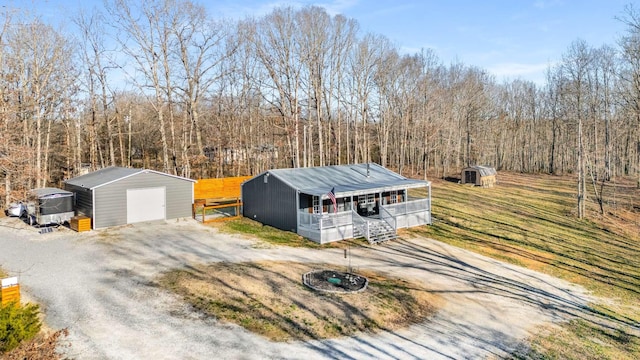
column 332, row 195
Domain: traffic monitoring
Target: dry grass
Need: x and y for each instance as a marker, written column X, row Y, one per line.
column 530, row 220
column 269, row 299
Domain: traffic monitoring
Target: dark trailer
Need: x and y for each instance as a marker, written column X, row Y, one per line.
column 52, row 206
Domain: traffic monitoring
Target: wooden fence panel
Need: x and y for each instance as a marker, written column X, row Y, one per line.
column 223, row 188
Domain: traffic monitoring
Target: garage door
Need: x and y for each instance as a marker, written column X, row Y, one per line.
column 145, row 204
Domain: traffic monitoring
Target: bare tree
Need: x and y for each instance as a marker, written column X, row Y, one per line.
column 630, row 77
column 144, row 41
column 274, row 45
column 576, row 64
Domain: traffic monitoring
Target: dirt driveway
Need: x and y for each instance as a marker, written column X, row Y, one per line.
column 99, row 285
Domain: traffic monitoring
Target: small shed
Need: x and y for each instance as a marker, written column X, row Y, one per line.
column 478, row 175
column 118, row 196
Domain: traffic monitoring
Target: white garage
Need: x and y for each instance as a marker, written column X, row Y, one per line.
column 117, row 196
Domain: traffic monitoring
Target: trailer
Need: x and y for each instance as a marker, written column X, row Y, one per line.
column 51, row 206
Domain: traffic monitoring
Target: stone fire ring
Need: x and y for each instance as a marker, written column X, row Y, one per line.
column 335, row 281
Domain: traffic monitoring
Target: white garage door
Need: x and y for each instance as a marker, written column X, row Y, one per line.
column 145, row 204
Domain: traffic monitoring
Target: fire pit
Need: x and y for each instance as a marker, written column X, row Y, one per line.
column 335, row 281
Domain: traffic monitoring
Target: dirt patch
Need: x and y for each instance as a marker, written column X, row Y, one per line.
column 269, row 298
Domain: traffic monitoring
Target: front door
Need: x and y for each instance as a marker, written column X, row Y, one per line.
column 470, row 177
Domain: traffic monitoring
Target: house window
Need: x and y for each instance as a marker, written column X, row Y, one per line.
column 393, row 198
column 371, row 198
column 317, row 209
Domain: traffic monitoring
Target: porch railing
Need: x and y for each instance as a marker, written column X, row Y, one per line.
column 388, row 218
column 360, row 225
column 324, row 221
column 407, row 207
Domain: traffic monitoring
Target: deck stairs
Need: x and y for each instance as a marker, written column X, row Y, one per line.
column 378, row 230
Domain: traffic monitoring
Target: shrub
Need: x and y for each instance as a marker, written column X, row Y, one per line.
column 18, row 323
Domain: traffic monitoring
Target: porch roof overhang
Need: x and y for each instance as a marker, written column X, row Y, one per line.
column 365, row 188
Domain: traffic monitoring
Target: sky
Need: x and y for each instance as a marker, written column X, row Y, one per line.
column 508, row 38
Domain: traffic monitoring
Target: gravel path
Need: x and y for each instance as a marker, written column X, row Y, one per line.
column 99, row 285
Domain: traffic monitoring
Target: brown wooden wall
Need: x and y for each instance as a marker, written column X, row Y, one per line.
column 222, row 188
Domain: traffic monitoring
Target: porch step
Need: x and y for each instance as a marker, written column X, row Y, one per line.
column 380, row 231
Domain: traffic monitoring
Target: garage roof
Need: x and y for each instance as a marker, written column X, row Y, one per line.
column 111, row 174
column 346, row 180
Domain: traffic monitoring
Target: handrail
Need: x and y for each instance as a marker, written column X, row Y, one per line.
column 385, row 215
column 361, row 224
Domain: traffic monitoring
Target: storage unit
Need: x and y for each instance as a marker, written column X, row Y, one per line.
column 80, row 223
column 117, row 196
column 484, row 176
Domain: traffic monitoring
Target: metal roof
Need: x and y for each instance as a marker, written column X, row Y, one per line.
column 110, row 174
column 346, row 180
column 50, row 192
column 484, row 170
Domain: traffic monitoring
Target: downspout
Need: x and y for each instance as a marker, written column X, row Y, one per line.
column 298, row 210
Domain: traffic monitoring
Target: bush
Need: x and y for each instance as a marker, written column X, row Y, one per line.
column 18, row 323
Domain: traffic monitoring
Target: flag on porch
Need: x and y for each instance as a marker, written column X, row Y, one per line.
column 332, row 195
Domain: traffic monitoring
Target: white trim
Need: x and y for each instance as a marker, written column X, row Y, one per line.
column 93, row 209
column 143, row 171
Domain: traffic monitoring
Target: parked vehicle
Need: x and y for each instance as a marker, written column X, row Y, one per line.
column 17, row 210
column 44, row 207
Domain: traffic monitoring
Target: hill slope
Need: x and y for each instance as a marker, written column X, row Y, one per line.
column 530, row 220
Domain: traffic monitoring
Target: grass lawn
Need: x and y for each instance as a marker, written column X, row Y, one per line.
column 530, row 220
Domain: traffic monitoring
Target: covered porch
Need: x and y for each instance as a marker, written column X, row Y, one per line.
column 372, row 211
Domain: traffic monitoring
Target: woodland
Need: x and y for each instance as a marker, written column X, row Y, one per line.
column 162, row 84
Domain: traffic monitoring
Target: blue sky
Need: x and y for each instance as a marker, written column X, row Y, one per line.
column 509, row 38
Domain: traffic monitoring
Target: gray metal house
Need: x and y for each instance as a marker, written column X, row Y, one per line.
column 117, row 196
column 370, row 201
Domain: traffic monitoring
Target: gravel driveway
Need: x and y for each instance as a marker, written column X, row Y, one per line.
column 99, row 285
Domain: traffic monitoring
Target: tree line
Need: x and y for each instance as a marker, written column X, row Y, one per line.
column 162, row 84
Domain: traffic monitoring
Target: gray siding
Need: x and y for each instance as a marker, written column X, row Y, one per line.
column 83, row 199
column 272, row 203
column 111, row 199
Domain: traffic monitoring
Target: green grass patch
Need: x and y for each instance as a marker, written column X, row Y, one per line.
column 530, row 220
column 275, row 236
